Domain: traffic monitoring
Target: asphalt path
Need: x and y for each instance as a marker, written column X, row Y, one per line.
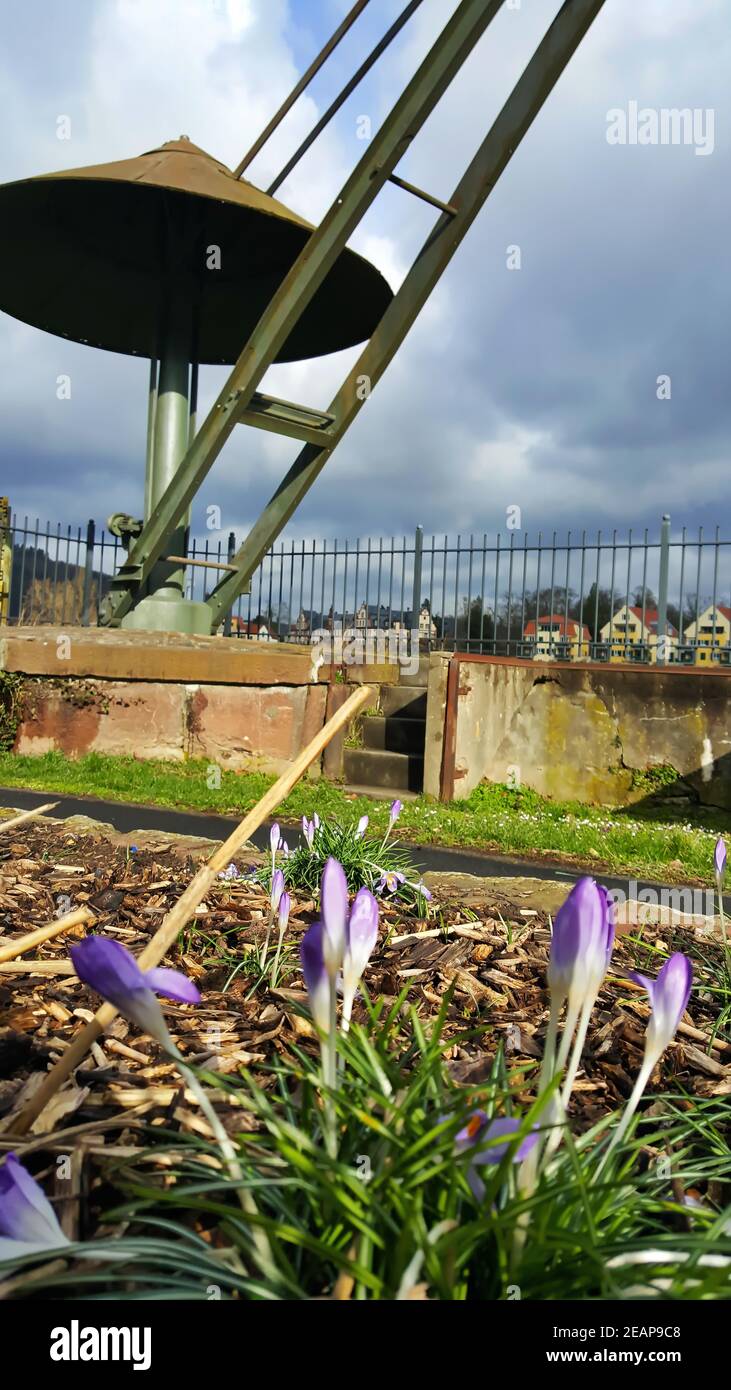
column 128, row 816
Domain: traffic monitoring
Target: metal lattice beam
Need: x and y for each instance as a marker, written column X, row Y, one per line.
column 239, row 400
column 515, row 118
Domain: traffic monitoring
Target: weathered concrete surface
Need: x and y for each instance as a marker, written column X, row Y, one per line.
column 119, row 654
column 334, row 754
column 143, row 720
column 436, row 704
column 237, row 727
column 587, row 733
column 531, row 897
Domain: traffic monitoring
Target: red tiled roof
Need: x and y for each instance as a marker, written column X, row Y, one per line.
column 651, row 617
column 560, row 625
column 249, row 629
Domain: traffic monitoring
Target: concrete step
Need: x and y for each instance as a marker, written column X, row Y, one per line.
column 373, row 767
column 404, row 701
column 379, row 793
column 393, row 735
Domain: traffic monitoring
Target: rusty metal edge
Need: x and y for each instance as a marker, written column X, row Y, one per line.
column 449, row 742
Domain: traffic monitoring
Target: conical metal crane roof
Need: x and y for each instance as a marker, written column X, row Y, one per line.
column 85, row 254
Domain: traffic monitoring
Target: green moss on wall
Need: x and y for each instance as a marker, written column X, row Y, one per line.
column 11, row 708
column 655, row 778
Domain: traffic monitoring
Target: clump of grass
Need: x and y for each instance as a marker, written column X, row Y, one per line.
column 373, row 861
column 393, row 1216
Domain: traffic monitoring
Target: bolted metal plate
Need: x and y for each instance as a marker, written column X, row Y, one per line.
column 85, row 254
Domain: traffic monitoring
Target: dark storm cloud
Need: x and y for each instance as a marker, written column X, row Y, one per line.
column 535, row 386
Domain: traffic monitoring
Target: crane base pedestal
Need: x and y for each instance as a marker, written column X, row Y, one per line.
column 157, row 614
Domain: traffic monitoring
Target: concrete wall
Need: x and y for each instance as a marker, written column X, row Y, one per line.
column 238, row 727
column 168, row 695
column 587, row 733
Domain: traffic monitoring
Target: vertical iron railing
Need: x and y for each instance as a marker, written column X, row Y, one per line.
column 520, row 596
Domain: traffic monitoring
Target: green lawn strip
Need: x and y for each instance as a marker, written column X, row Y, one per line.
column 676, row 844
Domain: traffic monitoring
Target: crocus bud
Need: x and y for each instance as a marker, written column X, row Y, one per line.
column 395, row 811
column 316, row 977
column 669, row 995
column 109, row 968
column 362, row 937
column 308, row 830
column 608, row 906
column 581, row 945
column 275, row 838
column 316, row 820
column 361, row 827
column 334, row 906
column 277, row 889
column 719, row 860
column 28, row 1222
column 285, row 902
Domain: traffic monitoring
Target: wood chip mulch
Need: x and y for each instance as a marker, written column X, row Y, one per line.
column 494, row 959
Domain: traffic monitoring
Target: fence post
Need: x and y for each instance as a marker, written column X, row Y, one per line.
column 88, row 574
column 416, row 592
column 229, row 557
column 6, row 559
column 662, row 596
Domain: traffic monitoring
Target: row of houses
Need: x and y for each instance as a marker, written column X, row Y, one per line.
column 367, row 618
column 632, row 635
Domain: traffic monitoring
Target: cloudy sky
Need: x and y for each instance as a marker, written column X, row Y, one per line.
column 536, row 387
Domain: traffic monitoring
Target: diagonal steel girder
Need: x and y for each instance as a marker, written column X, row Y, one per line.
column 433, row 77
column 522, row 106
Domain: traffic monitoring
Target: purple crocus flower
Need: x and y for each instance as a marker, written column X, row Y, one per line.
column 275, row 838
column 277, row 889
column 316, row 820
column 395, row 812
column 361, row 828
column 581, row 945
column 669, row 995
column 316, row 976
column 390, row 881
column 308, row 830
column 28, row 1222
column 362, row 937
column 344, row 937
column 109, row 968
column 481, row 1133
column 719, row 860
column 334, row 906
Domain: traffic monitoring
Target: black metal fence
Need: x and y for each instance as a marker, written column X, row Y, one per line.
column 604, row 597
